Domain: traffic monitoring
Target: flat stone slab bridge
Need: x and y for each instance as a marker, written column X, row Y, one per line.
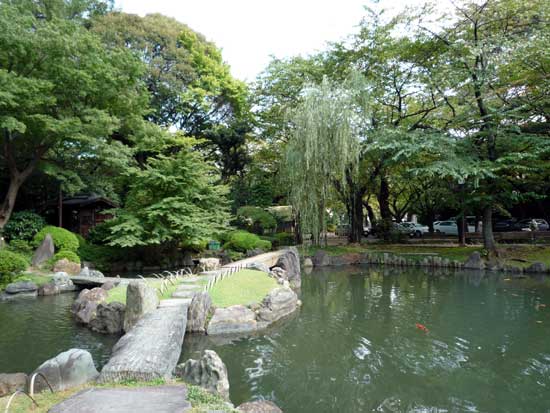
column 151, row 349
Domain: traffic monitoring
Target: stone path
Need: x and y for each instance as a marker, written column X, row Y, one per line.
column 160, row 399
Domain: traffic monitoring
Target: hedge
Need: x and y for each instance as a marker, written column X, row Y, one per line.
column 62, row 239
column 11, row 264
column 65, row 254
column 243, row 241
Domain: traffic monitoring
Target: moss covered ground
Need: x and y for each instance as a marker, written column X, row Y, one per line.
column 244, row 287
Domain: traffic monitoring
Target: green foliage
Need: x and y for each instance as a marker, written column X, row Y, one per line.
column 20, row 246
column 63, row 239
column 64, row 255
column 102, row 255
column 100, row 233
column 284, row 239
column 255, row 219
column 244, row 287
column 23, row 225
column 204, row 401
column 172, row 200
column 243, row 241
column 11, row 264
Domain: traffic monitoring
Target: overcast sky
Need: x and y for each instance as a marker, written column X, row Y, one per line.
column 249, row 31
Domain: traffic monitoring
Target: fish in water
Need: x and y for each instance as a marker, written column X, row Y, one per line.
column 422, row 327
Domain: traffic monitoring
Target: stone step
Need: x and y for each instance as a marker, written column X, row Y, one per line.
column 158, row 399
column 190, row 279
column 189, row 287
column 175, row 302
column 184, row 294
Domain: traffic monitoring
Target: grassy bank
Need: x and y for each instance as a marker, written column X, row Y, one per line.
column 200, row 399
column 244, row 287
column 119, row 293
column 38, row 279
column 517, row 255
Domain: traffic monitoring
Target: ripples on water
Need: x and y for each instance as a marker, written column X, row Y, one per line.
column 35, row 330
column 354, row 346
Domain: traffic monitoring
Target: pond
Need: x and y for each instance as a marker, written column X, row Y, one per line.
column 35, row 330
column 355, row 346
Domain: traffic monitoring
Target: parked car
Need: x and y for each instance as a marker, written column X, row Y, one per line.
column 470, row 221
column 505, row 225
column 531, row 224
column 414, row 229
column 446, row 227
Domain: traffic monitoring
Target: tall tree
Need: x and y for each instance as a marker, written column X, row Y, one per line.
column 62, row 91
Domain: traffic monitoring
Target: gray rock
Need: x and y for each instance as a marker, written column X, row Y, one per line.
column 258, row 266
column 279, row 303
column 260, row 406
column 21, row 287
column 10, row 297
column 209, row 372
column 198, row 313
column 290, row 262
column 209, row 264
column 232, row 320
column 67, row 266
column 84, row 272
column 63, row 282
column 109, row 318
column 10, row 383
column 49, row 289
column 44, row 252
column 69, row 369
column 254, row 252
column 108, row 285
column 140, row 300
column 278, row 272
column 536, row 268
column 85, row 306
column 321, row 259
column 474, row 262
column 87, row 272
column 96, row 274
column 308, row 263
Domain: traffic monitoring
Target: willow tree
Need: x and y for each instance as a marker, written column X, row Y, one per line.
column 322, row 153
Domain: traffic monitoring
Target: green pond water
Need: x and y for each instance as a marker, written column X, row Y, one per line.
column 35, row 330
column 354, row 346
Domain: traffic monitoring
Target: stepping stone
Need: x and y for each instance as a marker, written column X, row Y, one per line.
column 190, row 279
column 184, row 294
column 175, row 302
column 187, row 287
column 158, row 399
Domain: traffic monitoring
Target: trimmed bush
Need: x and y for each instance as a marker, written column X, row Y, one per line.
column 20, row 246
column 283, row 239
column 255, row 219
column 11, row 264
column 102, row 255
column 98, row 235
column 243, row 241
column 65, row 254
column 63, row 239
column 23, row 225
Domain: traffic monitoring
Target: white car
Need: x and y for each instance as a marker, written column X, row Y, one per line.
column 446, row 227
column 415, row 229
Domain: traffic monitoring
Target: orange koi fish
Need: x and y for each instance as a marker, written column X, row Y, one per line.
column 422, row 327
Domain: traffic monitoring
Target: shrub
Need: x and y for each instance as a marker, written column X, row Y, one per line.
column 65, row 254
column 63, row 239
column 284, row 239
column 11, row 264
column 23, row 225
column 255, row 219
column 81, row 240
column 98, row 235
column 102, row 255
column 243, row 241
column 20, row 246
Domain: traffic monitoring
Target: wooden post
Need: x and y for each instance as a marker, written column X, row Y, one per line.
column 60, row 207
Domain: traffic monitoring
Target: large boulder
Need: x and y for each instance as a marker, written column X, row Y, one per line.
column 10, row 383
column 87, row 272
column 44, row 252
column 321, row 259
column 109, row 285
column 197, row 312
column 258, row 266
column 308, row 263
column 67, row 266
column 208, row 372
column 260, row 406
column 63, row 282
column 232, row 320
column 85, row 306
column 48, row 289
column 69, row 369
column 290, row 262
column 279, row 303
column 109, row 318
column 209, row 264
column 140, row 300
column 474, row 262
column 22, row 287
column 536, row 268
column 346, row 259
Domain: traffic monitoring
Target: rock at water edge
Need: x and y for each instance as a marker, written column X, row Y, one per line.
column 44, row 252
column 209, row 372
column 260, row 406
column 140, row 300
column 232, row 320
column 109, row 318
column 198, row 312
column 474, row 262
column 279, row 303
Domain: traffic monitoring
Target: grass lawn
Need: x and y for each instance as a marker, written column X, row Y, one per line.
column 200, row 399
column 244, row 287
column 518, row 255
column 119, row 293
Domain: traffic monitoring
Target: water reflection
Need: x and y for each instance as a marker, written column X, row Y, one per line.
column 354, row 346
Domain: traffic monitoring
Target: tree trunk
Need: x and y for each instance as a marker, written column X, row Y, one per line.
column 9, row 201
column 488, row 238
column 461, row 230
column 384, row 226
column 370, row 214
column 356, row 216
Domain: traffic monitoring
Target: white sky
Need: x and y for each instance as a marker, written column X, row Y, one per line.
column 249, row 31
